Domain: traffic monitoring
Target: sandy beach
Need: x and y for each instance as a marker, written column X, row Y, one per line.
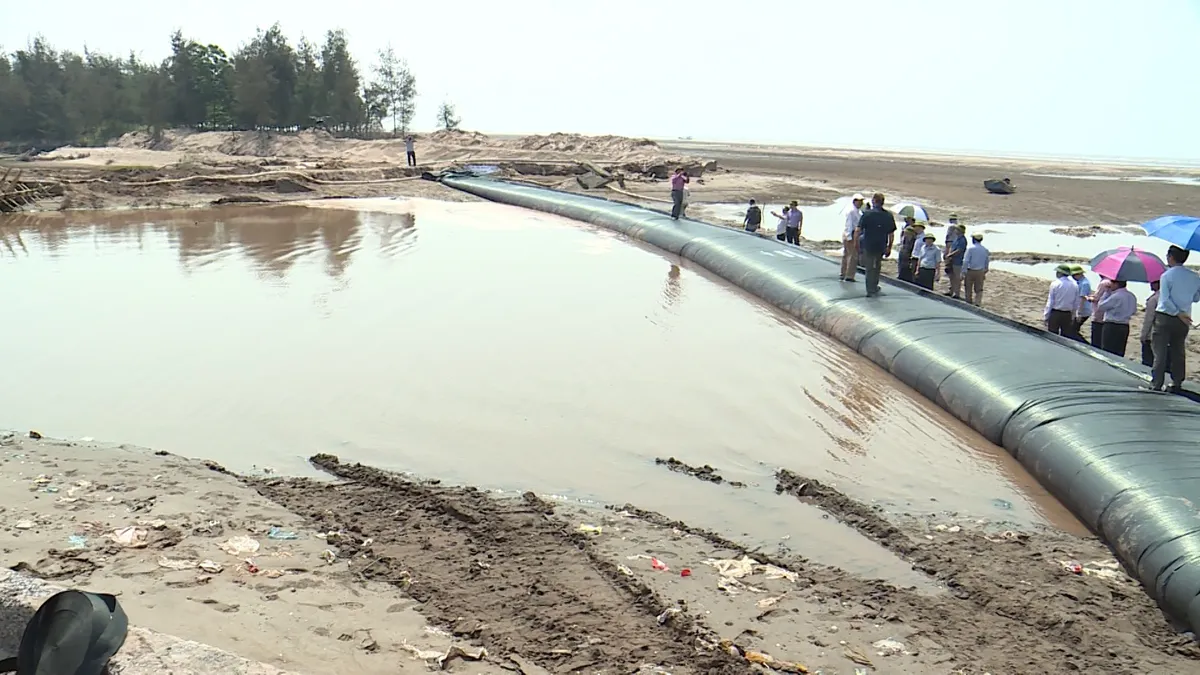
column 357, row 569
column 374, row 572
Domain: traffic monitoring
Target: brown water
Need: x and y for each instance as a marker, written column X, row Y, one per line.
column 474, row 342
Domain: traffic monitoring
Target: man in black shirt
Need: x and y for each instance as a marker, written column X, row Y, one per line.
column 878, row 227
column 753, row 217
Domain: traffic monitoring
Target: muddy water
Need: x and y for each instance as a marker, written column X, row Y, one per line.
column 473, row 342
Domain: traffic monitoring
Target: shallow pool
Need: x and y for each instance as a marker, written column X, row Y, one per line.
column 473, row 342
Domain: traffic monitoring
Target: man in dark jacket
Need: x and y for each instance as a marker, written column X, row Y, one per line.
column 878, row 227
column 753, row 217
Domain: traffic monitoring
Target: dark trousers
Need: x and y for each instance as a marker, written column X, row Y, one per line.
column 1114, row 338
column 1098, row 334
column 412, row 158
column 676, row 203
column 873, row 262
column 1061, row 322
column 1148, row 352
column 792, row 235
column 925, row 276
column 1169, row 340
column 904, row 269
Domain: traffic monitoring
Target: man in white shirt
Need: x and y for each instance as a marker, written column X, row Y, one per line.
column 1061, row 303
column 850, row 238
column 975, row 262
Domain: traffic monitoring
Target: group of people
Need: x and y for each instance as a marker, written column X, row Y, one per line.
column 1072, row 302
column 869, row 236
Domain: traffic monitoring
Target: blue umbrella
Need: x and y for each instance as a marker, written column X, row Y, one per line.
column 1183, row 231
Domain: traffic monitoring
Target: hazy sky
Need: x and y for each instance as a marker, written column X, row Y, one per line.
column 1047, row 77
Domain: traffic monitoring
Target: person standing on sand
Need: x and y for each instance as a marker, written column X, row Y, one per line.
column 1102, row 290
column 410, row 150
column 929, row 263
column 908, row 241
column 918, row 249
column 753, row 218
column 1179, row 290
column 1148, row 325
column 1061, row 303
column 850, row 238
column 956, row 252
column 678, row 182
column 1085, row 304
column 795, row 221
column 878, row 227
column 975, row 267
column 781, row 226
column 1118, row 307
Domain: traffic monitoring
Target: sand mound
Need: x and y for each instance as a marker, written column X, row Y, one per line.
column 458, row 137
column 309, row 143
column 578, row 143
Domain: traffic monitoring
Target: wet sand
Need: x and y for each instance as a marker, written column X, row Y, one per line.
column 950, row 184
column 387, row 572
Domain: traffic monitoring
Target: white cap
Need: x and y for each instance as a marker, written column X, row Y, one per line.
column 858, row 196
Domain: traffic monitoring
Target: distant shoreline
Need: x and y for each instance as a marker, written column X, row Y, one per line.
column 1175, row 167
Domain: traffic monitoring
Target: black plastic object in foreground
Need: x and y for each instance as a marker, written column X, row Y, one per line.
column 1125, row 460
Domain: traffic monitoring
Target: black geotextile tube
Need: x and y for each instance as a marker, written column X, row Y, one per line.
column 1124, row 459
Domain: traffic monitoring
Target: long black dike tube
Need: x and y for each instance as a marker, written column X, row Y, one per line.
column 1125, row 460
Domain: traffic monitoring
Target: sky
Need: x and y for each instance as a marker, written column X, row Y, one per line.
column 1101, row 78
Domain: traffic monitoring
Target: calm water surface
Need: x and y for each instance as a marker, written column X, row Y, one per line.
column 474, row 342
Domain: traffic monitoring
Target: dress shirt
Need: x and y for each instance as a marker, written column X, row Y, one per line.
column 1177, row 290
column 1118, row 306
column 1064, row 296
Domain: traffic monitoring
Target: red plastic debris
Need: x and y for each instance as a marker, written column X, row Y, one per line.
column 1074, row 567
column 658, row 565
column 685, row 572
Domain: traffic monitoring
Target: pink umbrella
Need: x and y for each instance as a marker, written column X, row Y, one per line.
column 1129, row 264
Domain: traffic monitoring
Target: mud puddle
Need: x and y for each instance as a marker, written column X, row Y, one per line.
column 479, row 343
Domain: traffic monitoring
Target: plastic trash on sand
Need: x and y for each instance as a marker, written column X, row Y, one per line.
column 443, row 658
column 590, row 529
column 130, row 537
column 240, row 546
column 739, row 568
column 889, row 647
column 177, row 564
column 278, row 533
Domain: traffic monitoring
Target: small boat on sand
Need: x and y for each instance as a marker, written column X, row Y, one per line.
column 1000, row 186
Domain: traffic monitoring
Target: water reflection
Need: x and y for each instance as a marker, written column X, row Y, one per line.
column 672, row 293
column 272, row 238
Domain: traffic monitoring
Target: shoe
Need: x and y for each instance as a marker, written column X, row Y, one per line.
column 947, row 294
column 1176, row 389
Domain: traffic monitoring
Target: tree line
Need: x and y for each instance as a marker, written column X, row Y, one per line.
column 50, row 97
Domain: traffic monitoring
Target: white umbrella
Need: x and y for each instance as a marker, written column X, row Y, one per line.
column 906, row 209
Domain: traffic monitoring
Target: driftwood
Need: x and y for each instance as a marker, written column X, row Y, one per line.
column 16, row 193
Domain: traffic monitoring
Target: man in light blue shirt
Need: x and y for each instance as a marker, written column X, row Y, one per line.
column 1179, row 288
column 1085, row 306
column 975, row 264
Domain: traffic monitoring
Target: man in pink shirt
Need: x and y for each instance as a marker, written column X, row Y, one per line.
column 1102, row 290
column 678, row 181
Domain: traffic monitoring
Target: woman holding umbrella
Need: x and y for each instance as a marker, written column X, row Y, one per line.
column 1117, row 305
